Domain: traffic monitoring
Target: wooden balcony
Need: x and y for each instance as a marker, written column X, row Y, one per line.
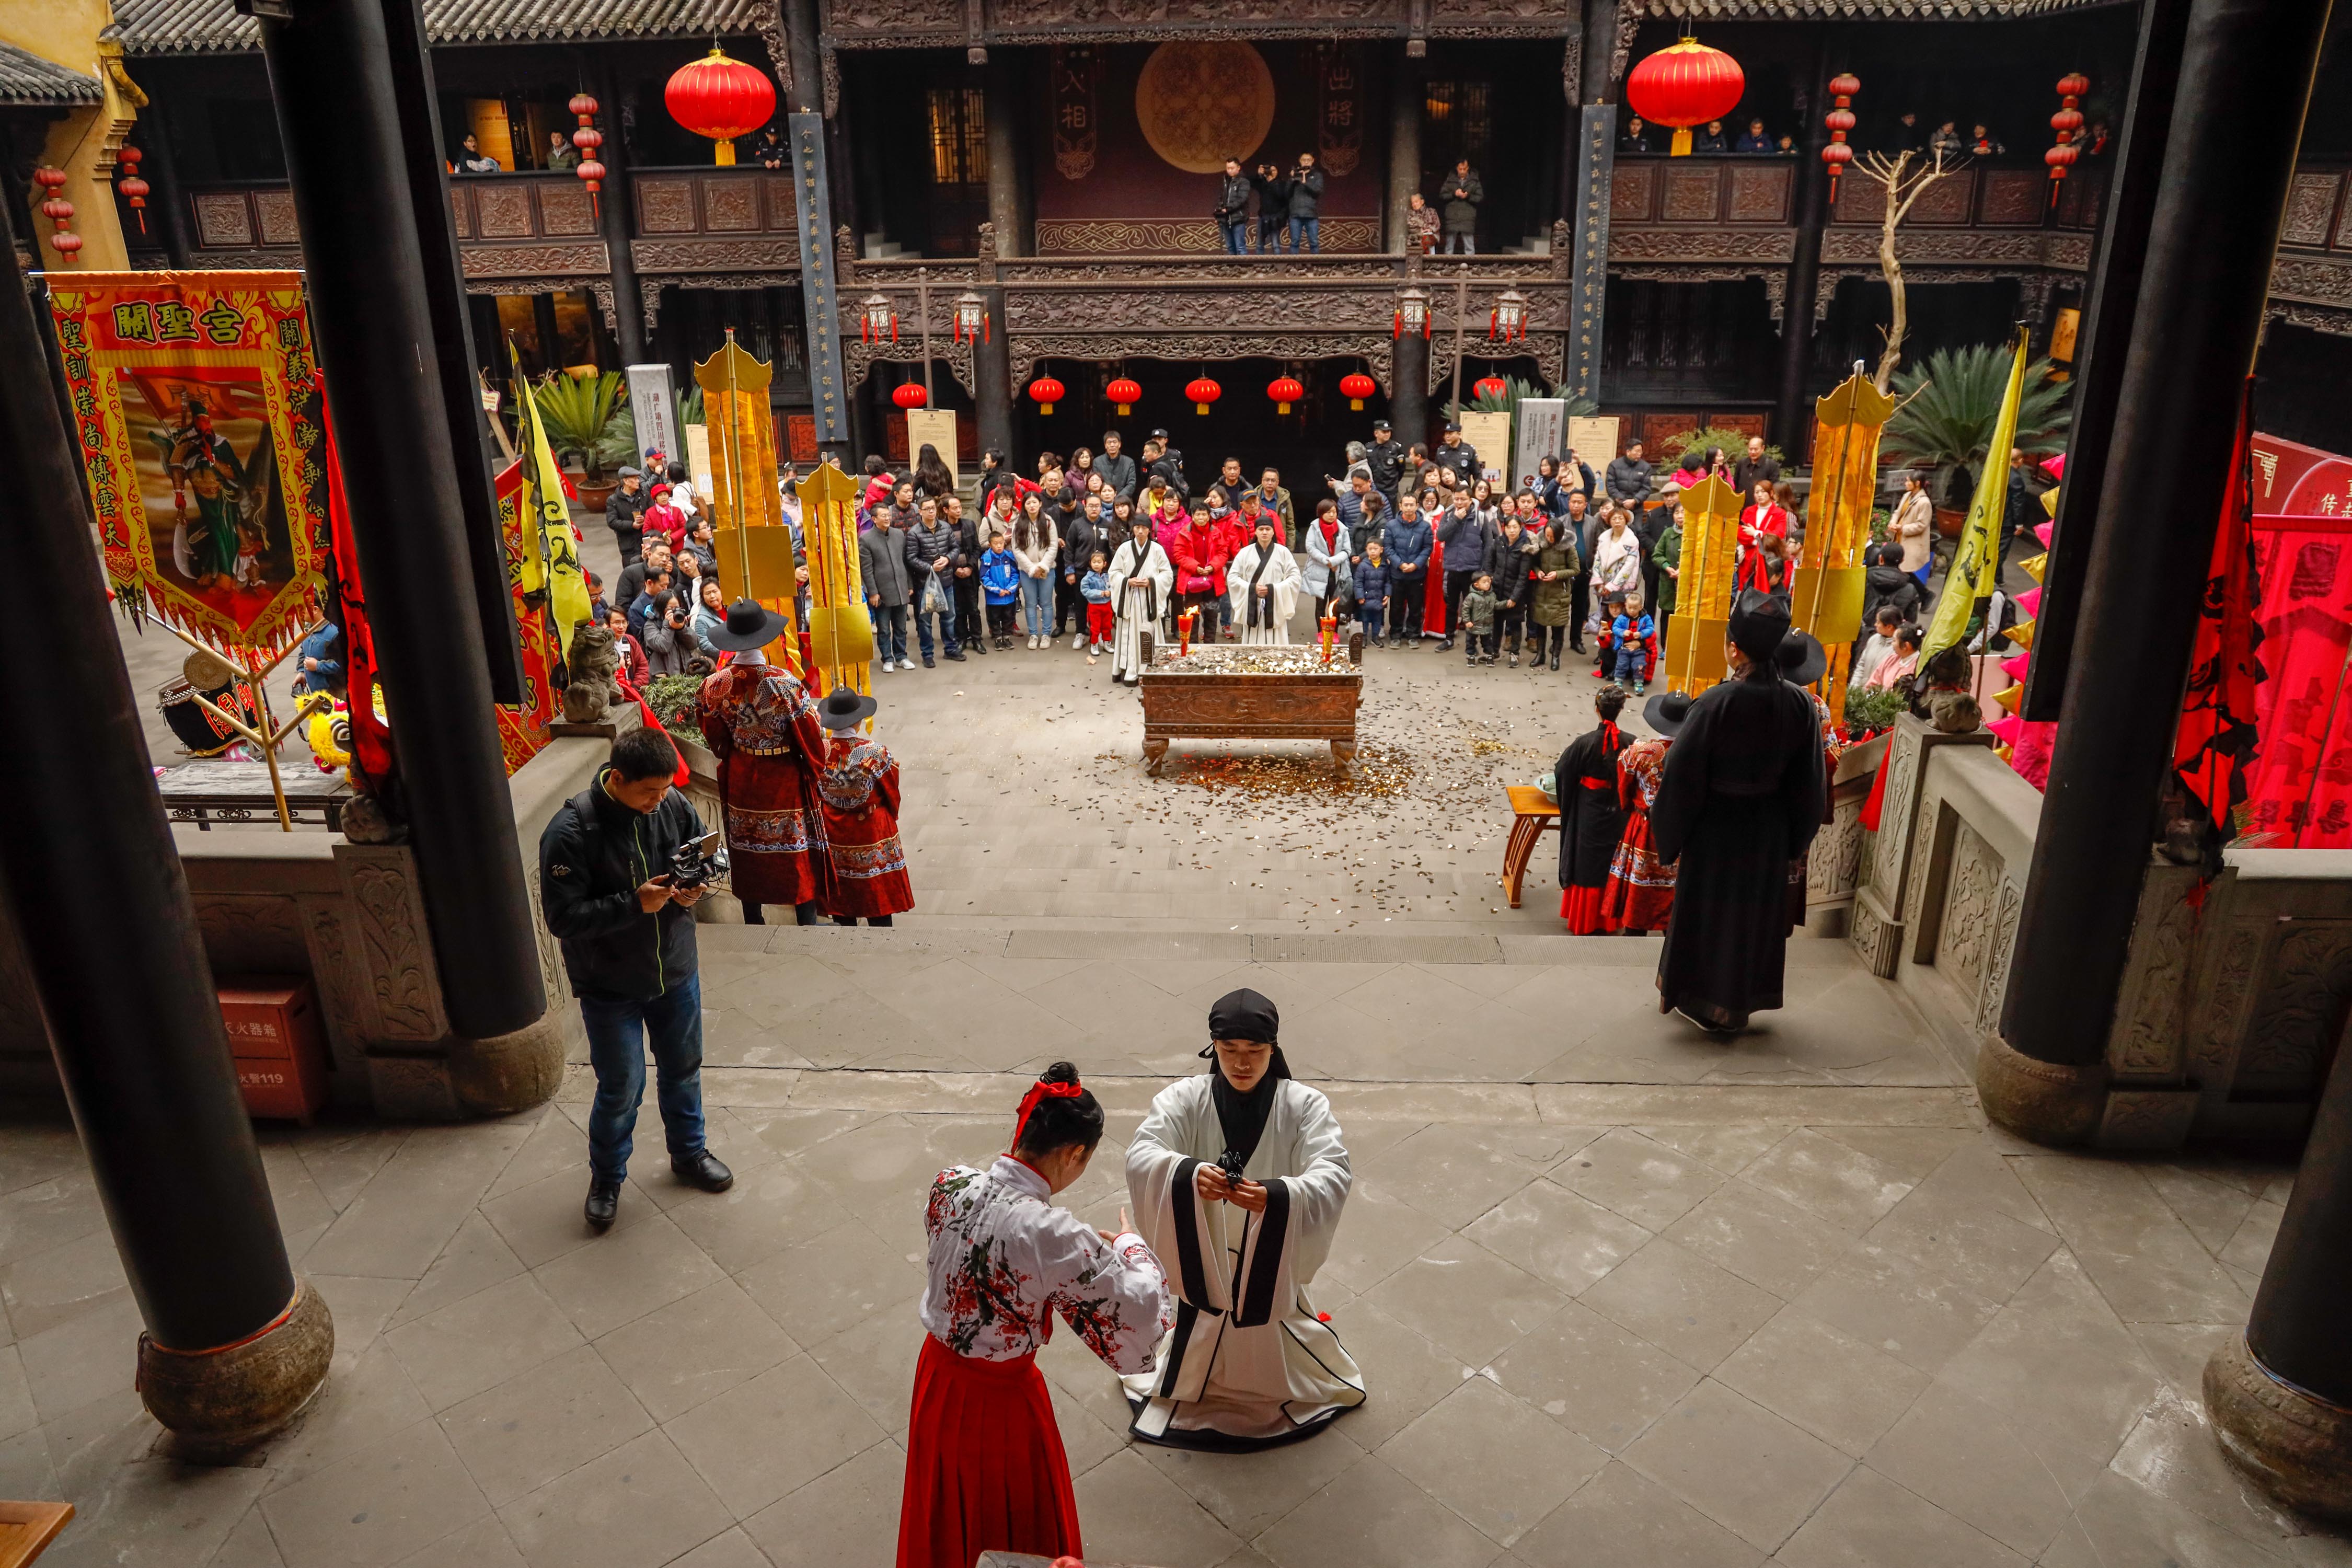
column 705, row 220
column 2311, row 281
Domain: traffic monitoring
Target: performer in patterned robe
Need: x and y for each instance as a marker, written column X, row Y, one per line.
column 859, row 787
column 760, row 722
column 1641, row 891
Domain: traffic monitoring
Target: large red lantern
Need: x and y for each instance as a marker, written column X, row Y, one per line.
column 127, row 181
column 910, row 396
column 1686, row 85
column 2067, row 121
column 1204, row 392
column 588, row 139
column 1355, row 386
column 58, row 211
column 1490, row 386
column 1046, row 392
column 1837, row 154
column 720, row 97
column 1124, row 393
column 1285, row 390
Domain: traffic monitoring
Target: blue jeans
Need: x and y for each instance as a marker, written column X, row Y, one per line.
column 1309, row 227
column 1236, row 235
column 1630, row 661
column 889, row 631
column 1269, row 235
column 1368, row 621
column 618, row 1031
column 1037, row 604
column 946, row 617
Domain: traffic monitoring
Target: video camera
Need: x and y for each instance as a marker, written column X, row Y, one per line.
column 697, row 862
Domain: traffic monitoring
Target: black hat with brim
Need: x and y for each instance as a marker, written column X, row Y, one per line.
column 1667, row 712
column 1803, row 658
column 750, row 624
column 845, row 709
column 1760, row 624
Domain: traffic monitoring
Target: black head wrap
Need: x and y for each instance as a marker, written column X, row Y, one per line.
column 1758, row 623
column 1242, row 1014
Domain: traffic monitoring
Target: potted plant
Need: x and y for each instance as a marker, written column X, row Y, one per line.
column 1946, row 418
column 579, row 412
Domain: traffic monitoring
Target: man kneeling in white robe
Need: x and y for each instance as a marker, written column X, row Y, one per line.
column 1238, row 1178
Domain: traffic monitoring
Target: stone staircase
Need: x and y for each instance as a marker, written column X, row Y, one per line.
column 874, row 248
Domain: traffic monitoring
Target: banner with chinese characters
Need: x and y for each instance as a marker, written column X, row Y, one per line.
column 1339, row 112
column 202, row 424
column 2299, row 790
column 1072, row 73
column 523, row 730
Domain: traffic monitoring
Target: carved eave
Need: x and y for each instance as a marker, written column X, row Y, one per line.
column 976, row 24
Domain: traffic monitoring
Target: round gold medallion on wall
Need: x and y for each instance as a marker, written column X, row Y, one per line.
column 1202, row 103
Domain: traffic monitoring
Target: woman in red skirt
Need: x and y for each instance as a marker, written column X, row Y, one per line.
column 858, row 786
column 985, row 1469
column 1584, row 781
column 1641, row 891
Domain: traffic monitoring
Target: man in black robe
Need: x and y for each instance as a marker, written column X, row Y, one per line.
column 1592, row 817
column 1741, row 798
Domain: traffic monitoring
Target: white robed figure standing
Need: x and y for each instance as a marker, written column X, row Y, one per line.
column 1261, row 585
column 1238, row 1177
column 1140, row 578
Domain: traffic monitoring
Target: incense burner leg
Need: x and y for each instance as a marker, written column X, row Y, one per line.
column 1343, row 758
column 1155, row 754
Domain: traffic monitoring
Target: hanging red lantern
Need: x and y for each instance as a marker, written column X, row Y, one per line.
column 2067, row 121
column 1490, row 386
column 127, row 181
column 1046, row 392
column 910, row 396
column 1837, row 154
column 58, row 211
column 720, row 97
column 588, row 139
column 1285, row 391
column 1124, row 393
column 1355, row 386
column 1686, row 85
column 1204, row 392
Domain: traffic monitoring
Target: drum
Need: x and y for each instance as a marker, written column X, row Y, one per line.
column 198, row 731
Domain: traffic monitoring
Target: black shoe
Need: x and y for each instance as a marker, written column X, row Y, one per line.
column 979, row 646
column 1555, row 661
column 1445, row 644
column 603, row 1203
column 956, row 658
column 702, row 1168
column 1577, row 647
column 929, row 663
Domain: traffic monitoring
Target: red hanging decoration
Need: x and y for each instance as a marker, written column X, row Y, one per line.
column 1204, row 392
column 1125, row 394
column 1285, row 390
column 1355, row 386
column 58, row 211
column 588, row 139
column 127, row 181
column 1046, row 392
column 1685, row 85
column 910, row 396
column 2067, row 121
column 1490, row 386
column 720, row 97
column 1837, row 154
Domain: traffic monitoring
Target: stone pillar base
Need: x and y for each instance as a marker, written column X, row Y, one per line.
column 507, row 1073
column 2048, row 1103
column 217, row 1402
column 2295, row 1446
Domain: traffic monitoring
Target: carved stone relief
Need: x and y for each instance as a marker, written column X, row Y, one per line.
column 1995, row 989
column 1905, row 751
column 251, row 933
column 392, row 936
column 2213, row 1047
column 2152, row 1016
column 2299, row 1020
column 1966, row 935
column 1921, row 872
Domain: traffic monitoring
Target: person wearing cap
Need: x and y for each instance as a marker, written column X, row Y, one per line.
column 1238, row 1178
column 1640, row 893
column 858, row 786
column 1740, row 798
column 1457, row 457
column 625, row 511
column 760, row 722
column 1384, row 455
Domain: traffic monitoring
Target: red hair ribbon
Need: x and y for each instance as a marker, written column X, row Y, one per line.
column 1040, row 1090
column 1611, row 738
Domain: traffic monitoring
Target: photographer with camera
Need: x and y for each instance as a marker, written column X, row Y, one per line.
column 619, row 897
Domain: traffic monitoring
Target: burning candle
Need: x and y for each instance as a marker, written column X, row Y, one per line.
column 1184, row 632
column 1330, row 625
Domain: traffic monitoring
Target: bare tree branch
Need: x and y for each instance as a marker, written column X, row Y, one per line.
column 1903, row 188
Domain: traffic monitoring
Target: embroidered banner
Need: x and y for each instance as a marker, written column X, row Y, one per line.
column 2299, row 790
column 199, row 411
column 1339, row 116
column 1072, row 74
column 523, row 730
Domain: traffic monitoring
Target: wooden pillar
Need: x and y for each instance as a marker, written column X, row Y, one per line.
column 1008, row 164
column 1406, row 93
column 617, row 206
column 1810, row 206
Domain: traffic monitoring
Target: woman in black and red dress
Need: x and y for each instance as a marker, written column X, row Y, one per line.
column 858, row 786
column 1592, row 820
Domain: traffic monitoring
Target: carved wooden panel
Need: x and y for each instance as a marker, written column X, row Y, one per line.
column 502, row 212
column 1632, row 190
column 1759, row 193
column 2310, row 208
column 1860, row 200
column 1693, row 195
column 461, row 213
column 564, row 209
column 665, row 204
column 223, row 219
column 1156, row 236
column 1304, row 707
column 777, row 193
column 729, row 206
column 275, row 213
column 2343, row 237
column 1947, row 201
column 2013, row 196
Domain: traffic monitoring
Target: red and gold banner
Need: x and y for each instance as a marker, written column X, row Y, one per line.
column 522, row 731
column 197, row 404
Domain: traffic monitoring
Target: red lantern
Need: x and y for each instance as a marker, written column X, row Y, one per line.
column 1047, row 392
column 1837, row 154
column 58, row 211
column 1355, row 386
column 2067, row 121
column 1490, row 386
column 1285, row 391
column 910, row 396
column 127, row 181
column 722, row 98
column 1204, row 392
column 588, row 139
column 1125, row 394
column 1686, row 85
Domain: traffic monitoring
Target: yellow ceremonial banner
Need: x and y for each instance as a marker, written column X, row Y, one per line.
column 749, row 534
column 567, row 584
column 1976, row 562
column 841, row 633
column 1826, row 590
column 1702, row 618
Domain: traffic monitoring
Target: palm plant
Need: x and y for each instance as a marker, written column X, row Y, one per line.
column 1508, row 402
column 1950, row 404
column 1709, row 436
column 578, row 411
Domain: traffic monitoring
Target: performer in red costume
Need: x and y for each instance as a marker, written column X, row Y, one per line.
column 859, row 787
column 760, row 722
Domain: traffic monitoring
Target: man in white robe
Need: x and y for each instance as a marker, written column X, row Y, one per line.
column 1139, row 579
column 1262, row 588
column 1238, row 1177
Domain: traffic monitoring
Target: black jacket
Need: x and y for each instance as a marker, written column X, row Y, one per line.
column 1462, row 460
column 1890, row 585
column 625, row 515
column 1273, row 197
column 1386, row 459
column 1080, row 538
column 1306, row 189
column 1746, row 474
column 592, row 856
column 1171, row 464
column 1628, row 481
column 1118, row 473
column 1232, row 198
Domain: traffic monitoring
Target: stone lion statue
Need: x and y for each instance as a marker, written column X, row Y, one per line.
column 594, row 658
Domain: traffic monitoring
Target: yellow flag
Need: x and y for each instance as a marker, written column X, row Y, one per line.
column 567, row 586
column 1976, row 565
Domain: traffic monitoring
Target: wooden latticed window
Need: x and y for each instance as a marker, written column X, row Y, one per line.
column 958, row 136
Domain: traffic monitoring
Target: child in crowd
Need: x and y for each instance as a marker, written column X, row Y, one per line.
column 1633, row 637
column 1478, row 619
column 1878, row 649
column 1000, row 580
column 1095, row 589
column 1372, row 580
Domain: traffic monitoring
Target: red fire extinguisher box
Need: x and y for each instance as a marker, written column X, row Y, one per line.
column 281, row 1056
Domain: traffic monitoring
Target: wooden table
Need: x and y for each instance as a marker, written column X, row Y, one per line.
column 27, row 1528
column 213, row 789
column 1194, row 699
column 1533, row 815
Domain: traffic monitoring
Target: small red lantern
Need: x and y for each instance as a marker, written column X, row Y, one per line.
column 1125, row 394
column 1490, row 386
column 57, row 210
column 127, row 181
column 1285, row 390
column 1355, row 386
column 1047, row 392
column 2067, row 121
column 1837, row 154
column 1686, row 85
column 1204, row 392
column 588, row 139
column 910, row 396
column 720, row 97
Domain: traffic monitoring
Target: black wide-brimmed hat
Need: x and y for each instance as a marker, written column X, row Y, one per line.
column 750, row 624
column 845, row 709
column 1803, row 658
column 1667, row 712
column 1760, row 623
